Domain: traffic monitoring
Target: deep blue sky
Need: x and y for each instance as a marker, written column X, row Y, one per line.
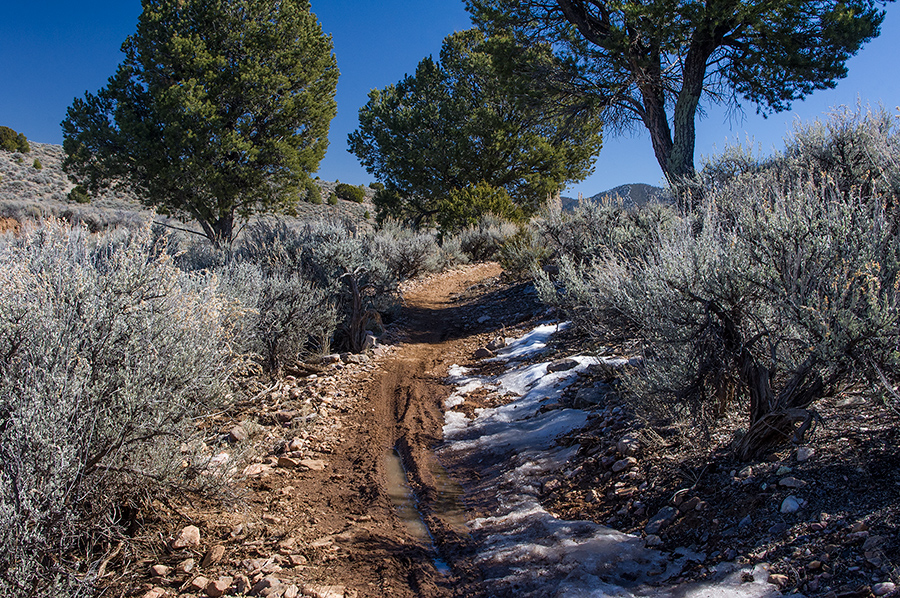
column 53, row 51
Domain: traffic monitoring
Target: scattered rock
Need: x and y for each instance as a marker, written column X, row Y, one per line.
column 652, row 540
column 783, row 470
column 873, row 542
column 213, row 555
column 628, row 445
column 679, row 496
column 285, row 416
column 189, row 537
column 238, row 434
column 185, row 566
column 790, row 505
column 591, row 395
column 497, row 343
column 155, row 593
column 160, row 570
column 291, row 591
column 198, row 584
column 216, row 589
column 265, row 586
column 241, row 584
column 562, row 365
column 690, row 504
column 791, row 482
column 778, row 579
column 484, row 353
column 296, row 560
column 664, row 517
column 745, row 522
column 370, row 342
column 884, row 588
column 804, row 453
column 313, row 464
column 288, row 462
column 623, row 464
column 323, row 591
column 551, row 485
column 257, row 469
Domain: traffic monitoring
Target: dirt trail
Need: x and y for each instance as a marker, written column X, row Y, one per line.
column 401, row 409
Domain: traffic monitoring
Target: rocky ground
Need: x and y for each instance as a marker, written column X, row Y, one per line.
column 311, row 512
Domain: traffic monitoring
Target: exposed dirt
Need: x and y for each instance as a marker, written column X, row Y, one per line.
column 313, row 510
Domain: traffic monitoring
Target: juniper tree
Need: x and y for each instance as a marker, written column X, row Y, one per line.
column 220, row 109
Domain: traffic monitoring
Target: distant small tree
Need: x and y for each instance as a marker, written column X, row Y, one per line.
column 350, row 193
column 461, row 121
column 220, row 109
column 37, row 164
column 13, row 142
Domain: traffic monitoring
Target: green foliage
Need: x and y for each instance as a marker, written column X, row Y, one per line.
column 780, row 291
column 350, row 193
column 406, row 253
column 332, row 199
column 652, row 64
column 523, row 253
column 220, row 109
column 78, row 194
column 107, row 353
column 313, row 194
column 461, row 122
column 12, row 141
column 37, row 164
column 462, row 208
column 483, row 240
column 376, row 186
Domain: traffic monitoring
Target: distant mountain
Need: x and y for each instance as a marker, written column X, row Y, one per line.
column 631, row 195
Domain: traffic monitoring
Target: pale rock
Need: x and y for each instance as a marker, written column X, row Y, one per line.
column 370, row 342
column 783, row 470
column 884, row 588
column 217, row 588
column 296, row 444
column 323, row 591
column 160, row 570
column 256, row 469
column 313, row 464
column 790, row 505
column 628, row 445
column 288, row 462
column 292, row 591
column 562, row 365
column 623, row 464
column 333, row 358
column 497, row 343
column 241, row 584
column 238, row 434
column 804, row 453
column 652, row 540
column 188, row 537
column 285, row 415
column 778, row 579
column 873, row 542
column 483, row 353
column 680, row 496
column 265, row 586
column 791, row 482
column 185, row 566
column 690, row 504
column 154, row 593
column 664, row 517
column 296, row 560
column 198, row 584
column 213, row 555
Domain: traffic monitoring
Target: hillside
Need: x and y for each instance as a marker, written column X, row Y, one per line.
column 29, row 193
column 631, row 195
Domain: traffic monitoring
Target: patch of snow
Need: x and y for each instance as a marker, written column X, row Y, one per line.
column 525, row 551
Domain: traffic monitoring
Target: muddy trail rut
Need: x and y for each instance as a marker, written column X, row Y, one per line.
column 356, row 504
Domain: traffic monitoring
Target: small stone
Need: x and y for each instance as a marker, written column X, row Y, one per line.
column 791, row 482
column 663, row 518
column 680, row 496
column 296, row 560
column 873, row 542
column 160, row 570
column 746, row 472
column 562, row 365
column 551, row 485
column 256, row 469
column 814, row 565
column 213, row 555
column 296, row 444
column 238, row 434
column 484, row 318
column 287, row 546
column 370, row 342
column 313, row 464
column 288, row 462
column 484, row 353
column 292, row 591
column 185, row 566
column 264, row 585
column 285, row 416
column 497, row 343
column 652, row 540
column 623, row 464
column 324, row 591
column 690, row 504
column 804, row 453
column 155, row 593
column 783, row 470
column 188, row 537
column 745, row 522
column 778, row 579
column 216, row 589
column 790, row 505
column 884, row 588
column 198, row 584
column 628, row 445
column 241, row 584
